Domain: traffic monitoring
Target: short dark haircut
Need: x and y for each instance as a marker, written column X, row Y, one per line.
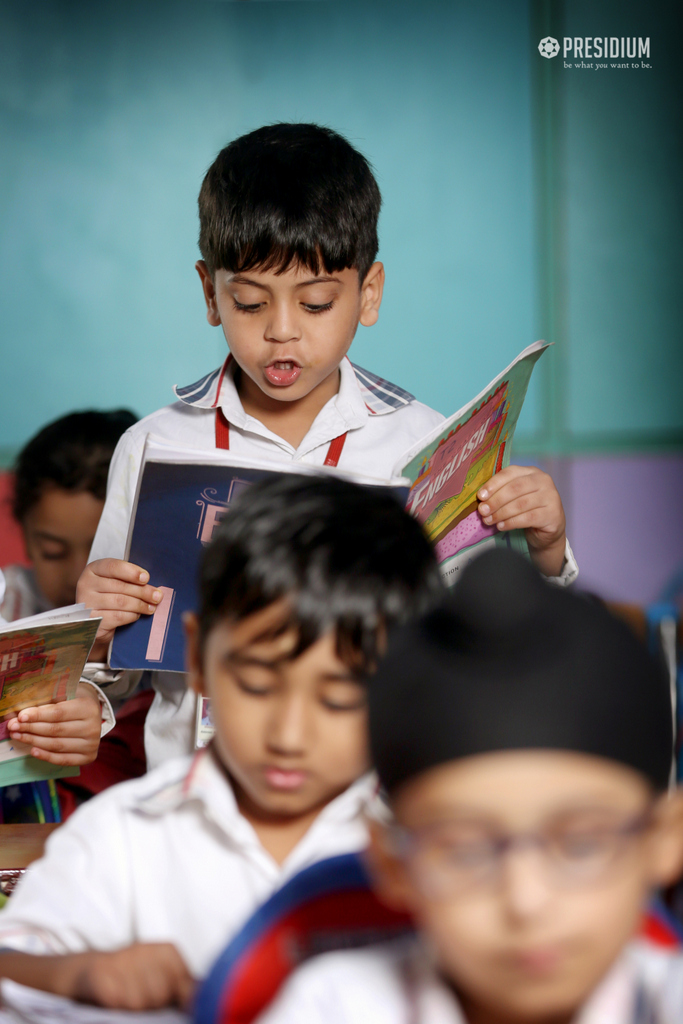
column 289, row 194
column 72, row 452
column 347, row 559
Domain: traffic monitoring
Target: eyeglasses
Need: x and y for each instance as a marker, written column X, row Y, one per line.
column 451, row 857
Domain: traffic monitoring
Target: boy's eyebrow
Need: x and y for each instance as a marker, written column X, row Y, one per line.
column 242, row 279
column 319, row 280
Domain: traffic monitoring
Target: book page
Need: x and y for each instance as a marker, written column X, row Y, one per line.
column 447, row 468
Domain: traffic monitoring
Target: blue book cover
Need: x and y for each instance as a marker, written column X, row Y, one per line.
column 179, row 506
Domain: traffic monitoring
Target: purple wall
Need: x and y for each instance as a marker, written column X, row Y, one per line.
column 625, row 521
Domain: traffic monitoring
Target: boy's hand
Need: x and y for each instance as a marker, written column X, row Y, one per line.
column 64, row 733
column 525, row 498
column 118, row 592
column 145, row 976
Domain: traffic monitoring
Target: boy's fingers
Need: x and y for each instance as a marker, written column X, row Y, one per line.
column 512, row 489
column 62, row 711
column 525, row 504
column 506, row 476
column 117, row 569
column 109, row 589
column 111, row 606
column 529, row 521
column 62, row 758
column 80, row 729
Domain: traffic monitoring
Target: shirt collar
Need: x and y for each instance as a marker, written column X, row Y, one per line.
column 360, row 389
column 201, row 779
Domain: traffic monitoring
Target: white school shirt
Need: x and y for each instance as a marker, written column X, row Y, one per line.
column 395, row 983
column 381, row 421
column 165, row 858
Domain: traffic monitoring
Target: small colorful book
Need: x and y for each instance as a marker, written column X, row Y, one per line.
column 41, row 661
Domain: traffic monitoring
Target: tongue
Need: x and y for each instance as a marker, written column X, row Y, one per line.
column 280, row 377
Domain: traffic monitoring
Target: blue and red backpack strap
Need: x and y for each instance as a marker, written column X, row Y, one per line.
column 660, row 927
column 328, row 906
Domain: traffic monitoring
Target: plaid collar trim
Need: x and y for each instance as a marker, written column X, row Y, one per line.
column 379, row 396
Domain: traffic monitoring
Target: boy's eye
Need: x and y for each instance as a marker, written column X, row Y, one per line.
column 318, row 308
column 247, row 307
column 52, row 552
column 255, row 679
column 343, row 696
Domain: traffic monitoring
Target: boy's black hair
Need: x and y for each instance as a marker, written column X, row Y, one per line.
column 346, row 558
column 73, row 452
column 287, row 194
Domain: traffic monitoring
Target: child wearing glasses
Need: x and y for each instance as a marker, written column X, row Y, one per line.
column 525, row 740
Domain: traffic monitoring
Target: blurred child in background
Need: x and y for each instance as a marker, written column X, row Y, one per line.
column 525, row 740
column 60, row 480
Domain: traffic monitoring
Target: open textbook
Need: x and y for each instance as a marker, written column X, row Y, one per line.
column 182, row 495
column 448, row 466
column 41, row 661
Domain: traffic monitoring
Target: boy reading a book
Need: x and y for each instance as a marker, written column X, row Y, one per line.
column 140, row 890
column 288, row 235
column 525, row 739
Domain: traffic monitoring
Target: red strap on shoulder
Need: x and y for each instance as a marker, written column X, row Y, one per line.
column 335, row 451
column 222, row 430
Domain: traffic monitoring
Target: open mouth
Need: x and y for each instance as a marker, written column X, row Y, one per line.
column 282, row 372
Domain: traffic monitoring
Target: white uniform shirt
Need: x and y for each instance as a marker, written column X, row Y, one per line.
column 165, row 858
column 396, row 984
column 381, row 421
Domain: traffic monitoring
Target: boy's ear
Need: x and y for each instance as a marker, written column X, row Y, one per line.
column 390, row 879
column 193, row 654
column 371, row 291
column 209, row 289
column 667, row 839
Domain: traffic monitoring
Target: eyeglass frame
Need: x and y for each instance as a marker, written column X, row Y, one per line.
column 405, row 842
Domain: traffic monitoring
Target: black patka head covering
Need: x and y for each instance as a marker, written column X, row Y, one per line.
column 509, row 662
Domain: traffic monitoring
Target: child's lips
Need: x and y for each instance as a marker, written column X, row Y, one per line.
column 282, row 372
column 285, row 779
column 538, row 962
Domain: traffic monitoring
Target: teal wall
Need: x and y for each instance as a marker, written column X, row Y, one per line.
column 518, row 203
column 609, row 146
column 111, row 113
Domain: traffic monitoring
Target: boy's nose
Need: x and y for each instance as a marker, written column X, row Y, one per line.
column 526, row 889
column 288, row 727
column 282, row 325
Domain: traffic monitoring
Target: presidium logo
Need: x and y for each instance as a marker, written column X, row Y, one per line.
column 548, row 47
column 597, row 48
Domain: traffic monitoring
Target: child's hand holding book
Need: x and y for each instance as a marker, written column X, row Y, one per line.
column 66, row 733
column 525, row 498
column 119, row 592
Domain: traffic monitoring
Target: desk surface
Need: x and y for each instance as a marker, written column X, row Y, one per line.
column 21, row 844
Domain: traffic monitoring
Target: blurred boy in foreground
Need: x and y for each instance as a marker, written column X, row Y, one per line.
column 141, row 889
column 525, row 740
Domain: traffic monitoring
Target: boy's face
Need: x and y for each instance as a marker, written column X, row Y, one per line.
column 289, row 332
column 526, row 931
column 58, row 531
column 290, row 731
